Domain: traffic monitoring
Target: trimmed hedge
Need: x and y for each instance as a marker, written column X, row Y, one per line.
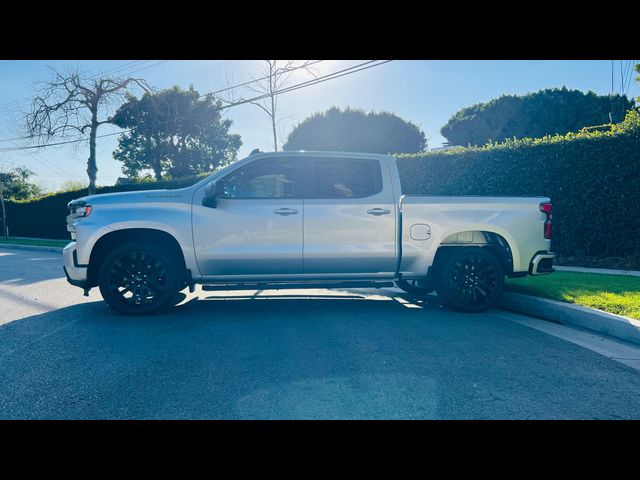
column 592, row 178
column 45, row 217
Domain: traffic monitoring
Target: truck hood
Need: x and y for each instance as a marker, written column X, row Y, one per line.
column 137, row 196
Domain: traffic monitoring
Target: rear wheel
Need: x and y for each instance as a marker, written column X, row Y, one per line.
column 140, row 278
column 470, row 279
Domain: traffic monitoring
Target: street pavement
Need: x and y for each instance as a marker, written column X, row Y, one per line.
column 291, row 354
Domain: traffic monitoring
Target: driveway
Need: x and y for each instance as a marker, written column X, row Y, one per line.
column 356, row 354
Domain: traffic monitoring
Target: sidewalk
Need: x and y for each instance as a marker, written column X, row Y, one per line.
column 607, row 271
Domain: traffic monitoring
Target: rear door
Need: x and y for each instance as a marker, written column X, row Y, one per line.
column 349, row 218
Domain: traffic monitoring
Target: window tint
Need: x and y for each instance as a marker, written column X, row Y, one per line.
column 345, row 178
column 272, row 178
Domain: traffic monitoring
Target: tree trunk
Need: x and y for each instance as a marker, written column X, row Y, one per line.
column 156, row 161
column 157, row 171
column 92, row 168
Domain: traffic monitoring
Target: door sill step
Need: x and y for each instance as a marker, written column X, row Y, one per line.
column 297, row 285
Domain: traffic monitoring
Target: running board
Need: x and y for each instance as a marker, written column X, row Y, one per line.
column 287, row 286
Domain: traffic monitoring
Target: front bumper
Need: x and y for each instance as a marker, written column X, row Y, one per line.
column 76, row 273
column 542, row 263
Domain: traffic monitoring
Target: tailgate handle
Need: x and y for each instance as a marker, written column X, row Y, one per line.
column 286, row 211
column 378, row 211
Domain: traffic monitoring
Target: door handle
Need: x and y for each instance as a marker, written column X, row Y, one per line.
column 286, row 211
column 378, row 211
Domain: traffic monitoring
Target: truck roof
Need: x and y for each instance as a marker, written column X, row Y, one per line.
column 319, row 153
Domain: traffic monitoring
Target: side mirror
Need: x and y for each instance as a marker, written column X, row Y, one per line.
column 211, row 194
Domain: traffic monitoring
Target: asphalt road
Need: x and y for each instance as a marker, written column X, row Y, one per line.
column 291, row 354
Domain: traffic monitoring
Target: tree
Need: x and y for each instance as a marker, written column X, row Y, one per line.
column 547, row 112
column 70, row 105
column 352, row 130
column 637, row 69
column 175, row 132
column 275, row 77
column 71, row 186
column 15, row 185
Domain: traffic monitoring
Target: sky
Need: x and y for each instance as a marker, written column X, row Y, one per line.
column 427, row 93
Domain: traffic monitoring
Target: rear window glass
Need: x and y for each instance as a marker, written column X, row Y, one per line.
column 345, row 178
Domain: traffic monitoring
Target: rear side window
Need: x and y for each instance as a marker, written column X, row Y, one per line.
column 345, row 178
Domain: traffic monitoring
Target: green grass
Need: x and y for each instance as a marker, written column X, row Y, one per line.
column 40, row 242
column 619, row 294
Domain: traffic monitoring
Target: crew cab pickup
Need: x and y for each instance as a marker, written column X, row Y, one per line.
column 303, row 220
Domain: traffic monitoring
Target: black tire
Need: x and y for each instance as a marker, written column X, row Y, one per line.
column 469, row 279
column 140, row 278
column 415, row 287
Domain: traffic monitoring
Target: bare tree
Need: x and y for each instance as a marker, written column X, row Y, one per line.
column 276, row 75
column 71, row 105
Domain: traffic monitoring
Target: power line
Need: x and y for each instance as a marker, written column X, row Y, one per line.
column 120, row 69
column 630, row 80
column 322, row 79
column 286, row 70
column 233, row 87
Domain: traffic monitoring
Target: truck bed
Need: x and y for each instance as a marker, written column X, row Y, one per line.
column 430, row 220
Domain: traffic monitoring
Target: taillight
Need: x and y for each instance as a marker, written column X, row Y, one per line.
column 546, row 209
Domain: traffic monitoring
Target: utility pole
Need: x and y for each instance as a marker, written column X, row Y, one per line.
column 5, row 228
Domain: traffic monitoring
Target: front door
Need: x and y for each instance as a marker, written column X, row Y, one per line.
column 256, row 227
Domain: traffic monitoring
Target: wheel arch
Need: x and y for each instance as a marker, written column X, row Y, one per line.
column 495, row 242
column 107, row 242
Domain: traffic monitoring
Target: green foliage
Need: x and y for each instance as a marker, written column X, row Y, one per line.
column 352, row 130
column 590, row 176
column 45, row 217
column 71, row 185
column 547, row 112
column 15, row 185
column 174, row 132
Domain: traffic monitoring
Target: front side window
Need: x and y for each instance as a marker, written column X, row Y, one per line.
column 345, row 178
column 272, row 178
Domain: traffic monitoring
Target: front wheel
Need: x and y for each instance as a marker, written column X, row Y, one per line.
column 139, row 278
column 470, row 279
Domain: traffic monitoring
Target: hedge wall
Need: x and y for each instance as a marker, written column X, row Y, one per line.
column 592, row 178
column 45, row 217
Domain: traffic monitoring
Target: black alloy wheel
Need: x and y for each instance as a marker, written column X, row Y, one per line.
column 470, row 279
column 139, row 278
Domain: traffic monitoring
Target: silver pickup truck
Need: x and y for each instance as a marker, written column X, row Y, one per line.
column 303, row 220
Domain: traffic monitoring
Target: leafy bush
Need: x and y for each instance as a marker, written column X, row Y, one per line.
column 547, row 112
column 353, row 130
column 591, row 177
column 45, row 217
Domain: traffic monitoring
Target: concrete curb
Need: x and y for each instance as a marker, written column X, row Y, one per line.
column 37, row 248
column 617, row 326
column 605, row 271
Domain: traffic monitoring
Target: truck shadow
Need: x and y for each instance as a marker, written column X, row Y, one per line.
column 293, row 355
column 215, row 357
